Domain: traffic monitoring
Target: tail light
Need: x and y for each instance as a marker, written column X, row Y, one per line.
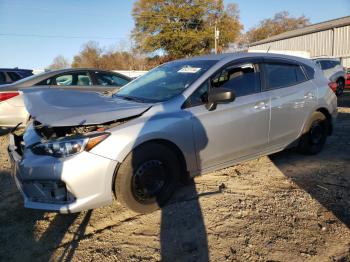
column 7, row 95
column 333, row 86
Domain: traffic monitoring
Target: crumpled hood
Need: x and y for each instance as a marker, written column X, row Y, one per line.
column 75, row 108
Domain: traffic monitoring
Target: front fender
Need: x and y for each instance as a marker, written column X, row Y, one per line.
column 173, row 127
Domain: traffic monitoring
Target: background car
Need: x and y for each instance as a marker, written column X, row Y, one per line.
column 12, row 110
column 10, row 75
column 347, row 81
column 334, row 71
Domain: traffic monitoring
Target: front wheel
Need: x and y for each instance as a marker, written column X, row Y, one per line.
column 147, row 178
column 313, row 140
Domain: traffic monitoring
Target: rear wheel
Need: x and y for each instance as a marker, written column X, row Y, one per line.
column 313, row 140
column 147, row 178
column 340, row 86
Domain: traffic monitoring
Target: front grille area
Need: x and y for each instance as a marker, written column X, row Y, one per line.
column 48, row 191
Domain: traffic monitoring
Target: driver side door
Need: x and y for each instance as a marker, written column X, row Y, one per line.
column 233, row 130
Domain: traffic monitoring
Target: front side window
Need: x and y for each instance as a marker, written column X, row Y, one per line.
column 73, row 79
column 106, row 79
column 166, row 81
column 242, row 79
column 281, row 75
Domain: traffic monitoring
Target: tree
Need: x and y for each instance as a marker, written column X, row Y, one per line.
column 281, row 22
column 89, row 56
column 92, row 56
column 181, row 28
column 59, row 62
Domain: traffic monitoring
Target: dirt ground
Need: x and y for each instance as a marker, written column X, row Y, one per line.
column 285, row 207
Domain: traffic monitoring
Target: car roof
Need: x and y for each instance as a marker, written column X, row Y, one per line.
column 233, row 56
column 59, row 71
column 14, row 69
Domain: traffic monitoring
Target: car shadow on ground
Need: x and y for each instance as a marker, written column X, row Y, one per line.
column 326, row 176
column 183, row 232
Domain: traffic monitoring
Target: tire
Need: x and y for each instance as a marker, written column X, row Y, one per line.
column 340, row 87
column 147, row 178
column 315, row 136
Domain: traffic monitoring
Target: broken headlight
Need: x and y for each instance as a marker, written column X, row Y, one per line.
column 69, row 146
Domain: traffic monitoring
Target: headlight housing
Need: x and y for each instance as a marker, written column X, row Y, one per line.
column 65, row 147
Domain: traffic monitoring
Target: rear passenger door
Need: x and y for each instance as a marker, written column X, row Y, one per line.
column 233, row 130
column 292, row 97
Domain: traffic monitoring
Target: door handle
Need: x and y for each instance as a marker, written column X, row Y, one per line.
column 261, row 105
column 309, row 96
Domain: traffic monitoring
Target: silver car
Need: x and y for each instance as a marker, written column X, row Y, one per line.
column 334, row 72
column 12, row 109
column 182, row 119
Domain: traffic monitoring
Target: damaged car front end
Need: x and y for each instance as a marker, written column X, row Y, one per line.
column 54, row 165
column 61, row 174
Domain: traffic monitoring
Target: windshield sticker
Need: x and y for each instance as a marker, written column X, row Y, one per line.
column 189, row 70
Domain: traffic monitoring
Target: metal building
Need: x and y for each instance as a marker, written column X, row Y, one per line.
column 330, row 38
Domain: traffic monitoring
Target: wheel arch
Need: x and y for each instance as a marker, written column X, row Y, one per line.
column 165, row 142
column 328, row 116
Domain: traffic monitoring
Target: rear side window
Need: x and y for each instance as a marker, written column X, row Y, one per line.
column 281, row 75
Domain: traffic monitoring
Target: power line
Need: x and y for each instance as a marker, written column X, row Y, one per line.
column 62, row 36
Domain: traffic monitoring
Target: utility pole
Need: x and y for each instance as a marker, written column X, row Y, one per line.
column 216, row 34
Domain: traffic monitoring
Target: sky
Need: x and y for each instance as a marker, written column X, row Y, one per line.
column 34, row 32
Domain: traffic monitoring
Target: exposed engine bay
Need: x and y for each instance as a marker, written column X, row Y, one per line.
column 61, row 131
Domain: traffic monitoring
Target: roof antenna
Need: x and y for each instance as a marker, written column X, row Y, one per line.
column 268, row 49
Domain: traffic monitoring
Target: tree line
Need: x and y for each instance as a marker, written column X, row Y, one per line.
column 170, row 29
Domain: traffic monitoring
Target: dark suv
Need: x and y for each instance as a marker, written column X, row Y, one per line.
column 10, row 75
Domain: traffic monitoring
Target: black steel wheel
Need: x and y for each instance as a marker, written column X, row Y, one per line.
column 148, row 177
column 315, row 135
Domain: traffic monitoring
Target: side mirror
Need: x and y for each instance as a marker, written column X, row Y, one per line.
column 219, row 95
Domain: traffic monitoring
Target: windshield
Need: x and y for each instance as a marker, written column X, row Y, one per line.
column 165, row 81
